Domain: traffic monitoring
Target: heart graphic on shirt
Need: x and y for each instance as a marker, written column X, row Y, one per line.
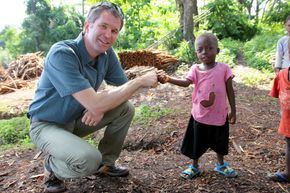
column 210, row 101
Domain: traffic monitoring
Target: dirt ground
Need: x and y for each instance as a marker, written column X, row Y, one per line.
column 152, row 152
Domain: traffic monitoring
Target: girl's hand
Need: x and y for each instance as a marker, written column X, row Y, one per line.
column 162, row 77
column 232, row 118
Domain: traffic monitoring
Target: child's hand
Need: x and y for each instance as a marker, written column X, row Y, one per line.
column 162, row 77
column 232, row 118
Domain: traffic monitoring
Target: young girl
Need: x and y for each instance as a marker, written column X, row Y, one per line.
column 209, row 122
column 283, row 49
column 281, row 90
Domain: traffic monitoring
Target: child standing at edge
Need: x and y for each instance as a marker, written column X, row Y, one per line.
column 283, row 49
column 208, row 126
column 281, row 90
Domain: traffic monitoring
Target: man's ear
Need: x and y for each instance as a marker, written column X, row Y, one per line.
column 218, row 50
column 86, row 26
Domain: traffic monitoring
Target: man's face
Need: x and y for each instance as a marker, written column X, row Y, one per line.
column 101, row 35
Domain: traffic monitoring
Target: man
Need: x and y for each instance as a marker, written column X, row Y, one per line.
column 67, row 104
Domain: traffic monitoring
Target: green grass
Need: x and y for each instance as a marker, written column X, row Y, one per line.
column 4, row 107
column 14, row 131
column 255, row 78
column 146, row 114
column 7, row 148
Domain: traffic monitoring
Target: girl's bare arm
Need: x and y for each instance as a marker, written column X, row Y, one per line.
column 179, row 82
column 232, row 101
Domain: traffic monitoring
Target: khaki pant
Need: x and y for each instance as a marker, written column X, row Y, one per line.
column 72, row 156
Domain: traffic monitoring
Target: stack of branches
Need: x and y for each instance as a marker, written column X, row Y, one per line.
column 137, row 71
column 2, row 73
column 148, row 57
column 25, row 67
column 11, row 85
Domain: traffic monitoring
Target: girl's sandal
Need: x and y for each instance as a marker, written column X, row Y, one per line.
column 225, row 170
column 190, row 172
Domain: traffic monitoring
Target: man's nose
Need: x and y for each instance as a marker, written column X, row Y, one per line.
column 108, row 33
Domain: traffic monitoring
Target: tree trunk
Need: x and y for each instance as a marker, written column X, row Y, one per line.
column 188, row 21
column 179, row 5
column 195, row 13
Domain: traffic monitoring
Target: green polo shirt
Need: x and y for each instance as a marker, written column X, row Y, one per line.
column 68, row 69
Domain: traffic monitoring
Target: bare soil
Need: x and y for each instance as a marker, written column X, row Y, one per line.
column 152, row 152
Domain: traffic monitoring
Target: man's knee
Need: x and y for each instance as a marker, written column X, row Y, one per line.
column 130, row 109
column 86, row 163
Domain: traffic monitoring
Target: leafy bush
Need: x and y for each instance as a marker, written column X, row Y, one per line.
column 14, row 130
column 255, row 78
column 279, row 13
column 146, row 22
column 228, row 20
column 225, row 56
column 233, row 45
column 260, row 50
column 5, row 58
column 229, row 51
column 186, row 53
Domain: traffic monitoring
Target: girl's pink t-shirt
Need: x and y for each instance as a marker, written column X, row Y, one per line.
column 213, row 80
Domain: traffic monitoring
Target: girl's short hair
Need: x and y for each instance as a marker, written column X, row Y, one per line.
column 210, row 37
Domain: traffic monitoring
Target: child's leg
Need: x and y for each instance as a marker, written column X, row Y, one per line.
column 220, row 159
column 283, row 176
column 195, row 163
column 191, row 171
column 222, row 167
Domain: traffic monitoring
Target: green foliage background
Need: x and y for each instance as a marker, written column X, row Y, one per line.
column 146, row 22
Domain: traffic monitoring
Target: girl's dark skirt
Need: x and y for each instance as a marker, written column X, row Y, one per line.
column 200, row 137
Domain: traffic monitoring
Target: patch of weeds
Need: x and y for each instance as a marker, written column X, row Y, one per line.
column 14, row 131
column 91, row 140
column 8, row 148
column 256, row 78
column 3, row 107
column 146, row 114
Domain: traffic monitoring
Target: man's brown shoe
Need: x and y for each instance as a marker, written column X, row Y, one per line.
column 113, row 171
column 51, row 182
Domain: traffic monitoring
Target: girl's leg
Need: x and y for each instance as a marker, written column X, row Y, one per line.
column 195, row 163
column 223, row 168
column 220, row 159
column 191, row 171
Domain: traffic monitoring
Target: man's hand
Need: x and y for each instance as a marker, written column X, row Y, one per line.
column 92, row 119
column 149, row 79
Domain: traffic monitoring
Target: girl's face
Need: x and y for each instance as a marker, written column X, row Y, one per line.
column 206, row 50
column 287, row 27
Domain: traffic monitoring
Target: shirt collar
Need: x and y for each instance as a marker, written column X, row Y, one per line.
column 86, row 59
